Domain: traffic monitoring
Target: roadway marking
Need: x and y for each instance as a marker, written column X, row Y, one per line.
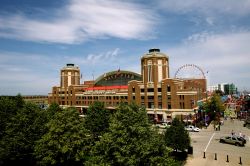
column 209, row 142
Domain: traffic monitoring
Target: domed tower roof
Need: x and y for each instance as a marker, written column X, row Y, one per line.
column 154, row 52
column 70, row 66
column 154, row 66
column 120, row 77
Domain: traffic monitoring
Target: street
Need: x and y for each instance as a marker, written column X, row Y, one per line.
column 207, row 140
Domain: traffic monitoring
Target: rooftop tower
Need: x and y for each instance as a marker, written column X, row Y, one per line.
column 154, row 66
column 70, row 75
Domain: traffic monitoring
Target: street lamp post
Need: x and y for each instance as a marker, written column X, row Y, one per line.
column 195, row 117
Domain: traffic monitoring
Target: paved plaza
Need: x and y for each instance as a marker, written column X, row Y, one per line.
column 207, row 140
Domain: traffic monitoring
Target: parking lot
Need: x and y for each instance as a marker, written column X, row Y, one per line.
column 207, row 140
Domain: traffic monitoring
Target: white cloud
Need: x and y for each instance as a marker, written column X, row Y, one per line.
column 37, row 74
column 208, row 13
column 82, row 20
column 93, row 59
column 211, row 7
column 225, row 56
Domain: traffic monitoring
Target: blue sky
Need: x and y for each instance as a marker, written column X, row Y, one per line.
column 38, row 38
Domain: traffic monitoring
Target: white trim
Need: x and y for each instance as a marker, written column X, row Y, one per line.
column 159, row 70
column 187, row 93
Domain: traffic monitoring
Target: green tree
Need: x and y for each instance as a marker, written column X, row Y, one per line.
column 67, row 142
column 23, row 129
column 130, row 140
column 19, row 101
column 8, row 108
column 176, row 136
column 214, row 107
column 97, row 119
column 52, row 110
column 219, row 92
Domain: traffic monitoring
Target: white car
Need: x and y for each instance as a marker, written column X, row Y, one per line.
column 163, row 125
column 192, row 128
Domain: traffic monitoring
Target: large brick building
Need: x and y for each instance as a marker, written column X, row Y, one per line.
column 163, row 97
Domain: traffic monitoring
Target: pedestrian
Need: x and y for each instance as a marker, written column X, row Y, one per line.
column 240, row 134
column 232, row 132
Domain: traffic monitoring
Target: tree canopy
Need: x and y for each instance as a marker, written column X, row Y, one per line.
column 176, row 136
column 33, row 136
column 67, row 142
column 130, row 140
column 214, row 107
column 8, row 108
column 22, row 130
column 97, row 119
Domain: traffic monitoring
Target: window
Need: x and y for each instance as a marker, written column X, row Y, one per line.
column 142, row 90
column 159, row 98
column 133, row 89
column 181, row 97
column 168, row 88
column 150, row 89
column 150, row 105
column 151, row 97
column 169, row 106
column 159, row 89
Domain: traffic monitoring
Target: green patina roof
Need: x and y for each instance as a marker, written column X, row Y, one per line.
column 118, row 77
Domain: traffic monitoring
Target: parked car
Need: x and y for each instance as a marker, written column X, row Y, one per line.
column 192, row 128
column 242, row 138
column 237, row 141
column 162, row 126
column 165, row 125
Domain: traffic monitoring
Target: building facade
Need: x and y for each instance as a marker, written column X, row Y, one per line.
column 227, row 89
column 162, row 96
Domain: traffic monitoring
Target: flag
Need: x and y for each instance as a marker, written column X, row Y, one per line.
column 118, row 72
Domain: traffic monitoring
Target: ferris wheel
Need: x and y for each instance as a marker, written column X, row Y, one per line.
column 190, row 71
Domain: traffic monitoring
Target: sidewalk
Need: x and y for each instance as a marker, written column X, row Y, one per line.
column 197, row 159
column 193, row 160
column 209, row 162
